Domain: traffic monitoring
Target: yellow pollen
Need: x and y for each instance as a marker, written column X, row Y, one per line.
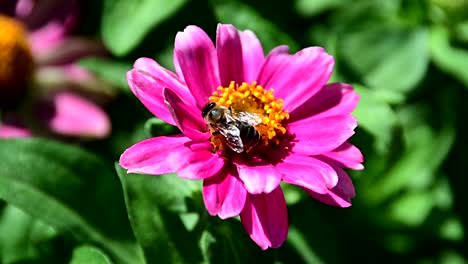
column 16, row 61
column 254, row 98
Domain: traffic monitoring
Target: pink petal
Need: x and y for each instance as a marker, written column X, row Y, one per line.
column 163, row 155
column 308, row 172
column 49, row 22
column 224, row 194
column 341, row 194
column 24, row 8
column 276, row 59
column 276, row 51
column 347, row 155
column 188, row 120
column 151, row 156
column 14, row 131
column 151, row 67
column 45, row 39
column 265, row 218
column 199, row 163
column 314, row 136
column 259, row 178
column 229, row 50
column 333, row 99
column 252, row 55
column 69, row 114
column 177, row 68
column 147, row 81
column 295, row 78
column 196, row 56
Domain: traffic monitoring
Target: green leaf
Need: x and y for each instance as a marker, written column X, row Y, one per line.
column 244, row 17
column 451, row 257
column 20, row 234
column 156, row 127
column 461, row 31
column 324, row 37
column 113, row 72
column 69, row 189
column 366, row 12
column 452, row 229
column 425, row 150
column 387, row 57
column 376, row 117
column 299, row 242
column 126, row 22
column 206, row 240
column 89, row 255
column 452, row 11
column 314, row 7
column 413, row 208
column 292, row 193
column 451, row 60
column 153, row 204
column 225, row 241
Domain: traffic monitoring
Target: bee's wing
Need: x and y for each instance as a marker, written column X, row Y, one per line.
column 232, row 135
column 252, row 119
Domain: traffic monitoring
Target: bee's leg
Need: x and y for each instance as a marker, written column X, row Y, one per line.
column 218, row 141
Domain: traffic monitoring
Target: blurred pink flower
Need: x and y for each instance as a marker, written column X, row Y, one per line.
column 36, row 53
column 304, row 126
column 13, row 130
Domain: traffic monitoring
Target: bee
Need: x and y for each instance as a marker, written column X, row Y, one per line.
column 237, row 128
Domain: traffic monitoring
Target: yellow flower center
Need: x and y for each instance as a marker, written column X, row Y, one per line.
column 255, row 99
column 16, row 61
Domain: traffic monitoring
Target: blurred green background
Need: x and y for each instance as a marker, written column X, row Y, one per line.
column 70, row 203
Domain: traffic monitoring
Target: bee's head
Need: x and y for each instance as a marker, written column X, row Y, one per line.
column 207, row 109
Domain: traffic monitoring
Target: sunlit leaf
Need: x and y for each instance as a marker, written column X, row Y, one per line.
column 387, row 57
column 443, row 194
column 153, row 204
column 426, row 149
column 452, row 60
column 314, row 7
column 299, row 242
column 156, row 127
column 126, row 22
column 413, row 208
column 452, row 229
column 69, row 189
column 461, row 31
column 375, row 116
column 89, row 255
column 20, row 235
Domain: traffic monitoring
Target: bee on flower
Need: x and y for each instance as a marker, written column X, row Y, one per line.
column 248, row 122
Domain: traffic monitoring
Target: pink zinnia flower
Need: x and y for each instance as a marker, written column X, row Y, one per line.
column 38, row 74
column 301, row 137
